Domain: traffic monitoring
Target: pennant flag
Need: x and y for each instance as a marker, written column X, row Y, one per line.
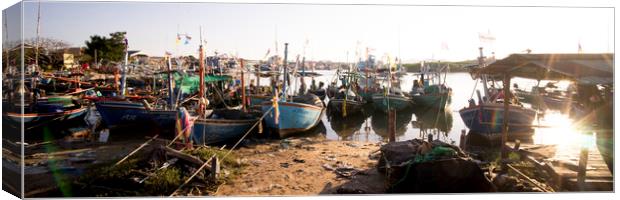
column 178, row 41
column 187, row 38
column 579, row 49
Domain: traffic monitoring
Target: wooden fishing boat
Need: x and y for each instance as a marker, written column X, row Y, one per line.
column 222, row 126
column 437, row 96
column 43, row 114
column 488, row 118
column 394, row 100
column 293, row 117
column 287, row 117
column 116, row 114
column 430, row 90
column 351, row 104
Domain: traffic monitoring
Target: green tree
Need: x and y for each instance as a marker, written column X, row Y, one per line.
column 110, row 49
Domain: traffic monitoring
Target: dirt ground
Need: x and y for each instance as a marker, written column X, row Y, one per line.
column 306, row 166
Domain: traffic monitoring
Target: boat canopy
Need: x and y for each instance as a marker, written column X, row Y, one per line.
column 191, row 83
column 583, row 68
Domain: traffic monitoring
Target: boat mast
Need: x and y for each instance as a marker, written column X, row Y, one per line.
column 8, row 51
column 201, row 69
column 170, row 93
column 36, row 55
column 124, row 69
column 243, row 99
column 285, row 71
column 484, row 76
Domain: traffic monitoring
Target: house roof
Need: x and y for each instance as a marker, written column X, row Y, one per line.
column 584, row 68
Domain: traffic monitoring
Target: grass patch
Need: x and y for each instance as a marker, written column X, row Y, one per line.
column 107, row 180
column 165, row 180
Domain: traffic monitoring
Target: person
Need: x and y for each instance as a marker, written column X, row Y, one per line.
column 302, row 88
column 313, row 86
column 252, row 87
column 321, row 84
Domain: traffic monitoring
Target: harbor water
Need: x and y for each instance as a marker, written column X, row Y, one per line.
column 555, row 126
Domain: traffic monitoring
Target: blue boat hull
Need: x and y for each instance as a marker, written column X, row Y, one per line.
column 293, row 118
column 122, row 114
column 489, row 119
column 213, row 131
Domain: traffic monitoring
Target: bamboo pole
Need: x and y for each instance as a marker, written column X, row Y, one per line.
column 135, row 151
column 243, row 99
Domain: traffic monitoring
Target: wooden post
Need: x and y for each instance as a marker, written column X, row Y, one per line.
column 507, row 98
column 257, row 79
column 392, row 125
column 463, row 139
column 215, row 169
column 581, row 173
column 243, row 100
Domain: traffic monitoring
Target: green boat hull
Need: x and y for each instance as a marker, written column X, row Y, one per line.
column 395, row 102
column 434, row 101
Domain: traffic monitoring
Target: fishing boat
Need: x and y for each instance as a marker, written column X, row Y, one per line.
column 487, row 117
column 287, row 117
column 394, row 99
column 38, row 109
column 293, row 117
column 349, row 104
column 429, row 90
column 45, row 111
column 345, row 101
column 119, row 112
column 222, row 126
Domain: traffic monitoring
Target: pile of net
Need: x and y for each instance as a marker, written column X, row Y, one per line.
column 430, row 167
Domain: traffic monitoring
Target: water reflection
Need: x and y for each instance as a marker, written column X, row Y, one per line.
column 346, row 127
column 379, row 123
column 433, row 121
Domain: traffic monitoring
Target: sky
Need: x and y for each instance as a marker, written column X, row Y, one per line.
column 326, row 32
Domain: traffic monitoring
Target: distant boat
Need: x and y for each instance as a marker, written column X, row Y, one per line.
column 222, row 126
column 394, row 100
column 433, row 92
column 351, row 104
column 437, row 96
